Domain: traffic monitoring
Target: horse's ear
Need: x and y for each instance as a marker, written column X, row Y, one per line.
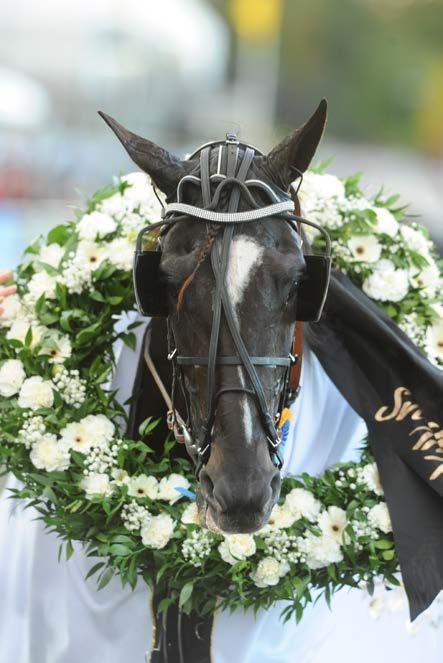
column 165, row 169
column 294, row 154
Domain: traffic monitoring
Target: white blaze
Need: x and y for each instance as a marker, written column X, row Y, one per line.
column 244, row 255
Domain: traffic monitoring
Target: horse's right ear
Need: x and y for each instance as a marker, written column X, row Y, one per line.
column 165, row 169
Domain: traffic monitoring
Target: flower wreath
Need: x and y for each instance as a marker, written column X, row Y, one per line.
column 58, row 417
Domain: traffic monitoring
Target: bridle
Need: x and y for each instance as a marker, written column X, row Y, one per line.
column 232, row 172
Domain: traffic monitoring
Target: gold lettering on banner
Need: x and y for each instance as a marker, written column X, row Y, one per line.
column 430, row 435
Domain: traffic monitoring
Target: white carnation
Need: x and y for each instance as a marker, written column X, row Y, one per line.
column 379, row 517
column 365, row 248
column 269, row 571
column 302, row 503
column 100, row 429
column 157, row 531
column 121, row 253
column 240, row 546
column 49, row 454
column 332, row 522
column 35, row 393
column 369, row 476
column 320, row 551
column 190, row 515
column 12, row 310
column 386, row 222
column 19, row 330
column 143, row 486
column 167, row 487
column 387, row 283
column 96, row 485
column 52, row 254
column 317, row 185
column 95, row 225
column 40, row 284
column 12, row 375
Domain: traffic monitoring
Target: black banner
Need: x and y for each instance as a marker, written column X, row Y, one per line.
column 399, row 394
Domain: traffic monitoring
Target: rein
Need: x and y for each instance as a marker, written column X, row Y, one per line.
column 231, row 172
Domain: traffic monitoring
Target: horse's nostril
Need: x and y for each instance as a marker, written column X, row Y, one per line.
column 275, row 484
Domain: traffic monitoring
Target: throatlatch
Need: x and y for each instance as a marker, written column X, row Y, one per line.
column 234, row 160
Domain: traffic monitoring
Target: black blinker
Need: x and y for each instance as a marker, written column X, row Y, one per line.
column 149, row 287
column 312, row 291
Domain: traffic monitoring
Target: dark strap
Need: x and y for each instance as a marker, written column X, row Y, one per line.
column 235, row 360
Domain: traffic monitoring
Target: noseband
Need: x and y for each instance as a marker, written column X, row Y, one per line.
column 232, row 174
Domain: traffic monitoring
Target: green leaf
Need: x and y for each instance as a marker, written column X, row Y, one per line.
column 94, row 569
column 59, row 235
column 383, row 544
column 69, row 550
column 105, row 578
column 185, row 594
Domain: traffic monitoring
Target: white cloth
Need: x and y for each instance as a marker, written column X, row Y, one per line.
column 49, row 614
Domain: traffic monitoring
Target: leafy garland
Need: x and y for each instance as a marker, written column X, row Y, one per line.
column 58, row 416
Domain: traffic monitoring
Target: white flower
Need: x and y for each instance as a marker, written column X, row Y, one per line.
column 157, row 531
column 269, row 571
column 379, row 517
column 120, row 477
column 240, row 546
column 35, row 393
column 115, row 206
column 320, row 551
column 49, row 454
column 332, row 522
column 12, row 309
column 95, row 225
column 19, row 330
column 96, row 485
column 428, row 278
column 51, row 254
column 365, row 248
column 387, row 283
column 167, row 487
column 386, row 222
column 302, row 503
column 77, row 436
column 434, row 339
column 121, row 253
column 415, row 240
column 143, row 486
column 317, row 185
column 140, row 194
column 12, row 375
column 225, row 554
column 100, row 429
column 190, row 515
column 59, row 351
column 90, row 255
column 369, row 476
column 281, row 517
column 42, row 283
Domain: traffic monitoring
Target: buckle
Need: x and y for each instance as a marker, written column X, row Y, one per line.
column 232, row 139
column 293, row 359
column 172, row 354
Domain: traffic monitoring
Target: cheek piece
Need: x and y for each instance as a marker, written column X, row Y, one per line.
column 234, row 160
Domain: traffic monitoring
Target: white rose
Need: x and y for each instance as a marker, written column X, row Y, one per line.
column 369, row 476
column 143, row 486
column 12, row 309
column 320, row 551
column 157, row 531
column 35, row 393
column 268, row 572
column 302, row 503
column 99, row 428
column 434, row 339
column 42, row 283
column 332, row 522
column 52, row 254
column 121, row 253
column 240, row 546
column 387, row 283
column 12, row 375
column 379, row 517
column 365, row 248
column 59, row 351
column 386, row 222
column 190, row 515
column 19, row 330
column 96, row 485
column 95, row 225
column 90, row 255
column 49, row 454
column 167, row 487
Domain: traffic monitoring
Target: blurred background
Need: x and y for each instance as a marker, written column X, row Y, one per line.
column 182, row 72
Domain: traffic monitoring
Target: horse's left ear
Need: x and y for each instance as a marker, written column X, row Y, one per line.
column 296, row 151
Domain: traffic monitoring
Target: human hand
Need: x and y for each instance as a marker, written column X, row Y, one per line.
column 5, row 275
